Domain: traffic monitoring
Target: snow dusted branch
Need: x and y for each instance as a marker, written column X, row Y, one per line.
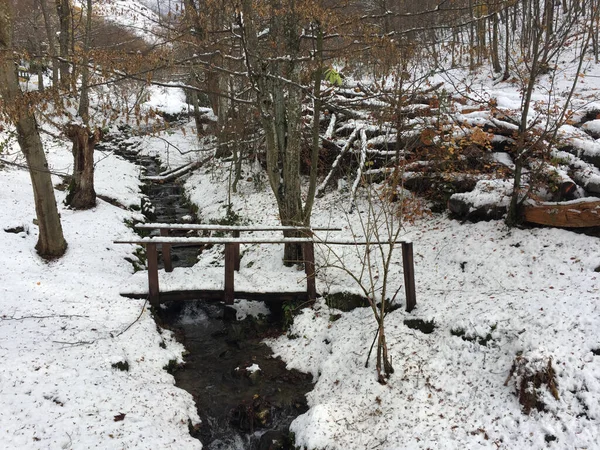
column 52, row 316
column 361, row 164
column 330, row 128
column 335, row 164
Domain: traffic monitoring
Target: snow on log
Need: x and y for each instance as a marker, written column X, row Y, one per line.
column 579, row 213
column 176, row 173
column 488, row 201
column 349, row 142
column 330, row 127
column 583, row 173
column 361, row 165
column 587, row 150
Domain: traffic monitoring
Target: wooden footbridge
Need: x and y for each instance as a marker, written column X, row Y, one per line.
column 308, row 239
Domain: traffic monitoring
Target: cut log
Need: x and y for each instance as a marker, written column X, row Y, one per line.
column 580, row 213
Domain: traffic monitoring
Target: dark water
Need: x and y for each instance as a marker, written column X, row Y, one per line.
column 240, row 409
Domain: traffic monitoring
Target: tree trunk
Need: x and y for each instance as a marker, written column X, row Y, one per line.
column 316, row 139
column 84, row 100
column 495, row 46
column 51, row 36
column 280, row 106
column 506, row 74
column 283, row 163
column 63, row 9
column 513, row 215
column 81, row 189
column 193, row 95
column 51, row 242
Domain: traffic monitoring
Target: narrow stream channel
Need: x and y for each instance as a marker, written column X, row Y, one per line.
column 245, row 397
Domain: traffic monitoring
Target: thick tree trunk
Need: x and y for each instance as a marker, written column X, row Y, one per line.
column 81, row 189
column 279, row 101
column 51, row 242
column 283, row 164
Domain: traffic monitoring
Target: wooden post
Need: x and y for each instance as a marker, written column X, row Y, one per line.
column 153, row 288
column 236, row 234
column 230, row 255
column 309, row 269
column 409, row 275
column 166, row 251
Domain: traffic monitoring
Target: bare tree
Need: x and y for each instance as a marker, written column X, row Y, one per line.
column 63, row 9
column 51, row 242
column 81, row 189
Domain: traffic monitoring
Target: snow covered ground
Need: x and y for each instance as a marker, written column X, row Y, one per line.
column 535, row 292
column 63, row 326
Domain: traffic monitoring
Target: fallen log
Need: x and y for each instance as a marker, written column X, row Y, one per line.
column 173, row 174
column 581, row 213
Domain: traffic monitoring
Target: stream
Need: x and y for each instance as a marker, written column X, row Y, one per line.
column 245, row 397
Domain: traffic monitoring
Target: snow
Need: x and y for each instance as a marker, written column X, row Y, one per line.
column 488, row 193
column 253, row 368
column 445, row 389
column 536, row 288
column 170, row 100
column 132, row 15
column 586, row 147
column 63, row 325
column 532, row 290
column 503, row 158
column 593, row 126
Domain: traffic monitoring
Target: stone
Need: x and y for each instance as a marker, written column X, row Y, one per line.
column 346, row 301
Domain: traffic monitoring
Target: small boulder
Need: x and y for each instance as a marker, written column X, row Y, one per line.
column 346, row 301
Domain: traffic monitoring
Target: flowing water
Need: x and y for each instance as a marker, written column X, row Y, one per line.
column 245, row 397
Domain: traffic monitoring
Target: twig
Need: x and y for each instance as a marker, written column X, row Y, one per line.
column 111, row 335
column 43, row 317
column 136, row 319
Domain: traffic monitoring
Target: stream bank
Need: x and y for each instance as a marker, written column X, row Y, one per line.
column 245, row 397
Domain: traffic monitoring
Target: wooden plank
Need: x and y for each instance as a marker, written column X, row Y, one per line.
column 409, row 275
column 153, row 287
column 236, row 247
column 166, row 251
column 228, row 294
column 209, row 227
column 309, row 269
column 217, row 296
column 191, row 241
column 574, row 214
column 212, row 240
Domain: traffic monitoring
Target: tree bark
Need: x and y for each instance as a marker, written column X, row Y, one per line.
column 51, row 36
column 279, row 100
column 495, row 46
column 81, row 189
column 63, row 9
column 84, row 100
column 51, row 242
